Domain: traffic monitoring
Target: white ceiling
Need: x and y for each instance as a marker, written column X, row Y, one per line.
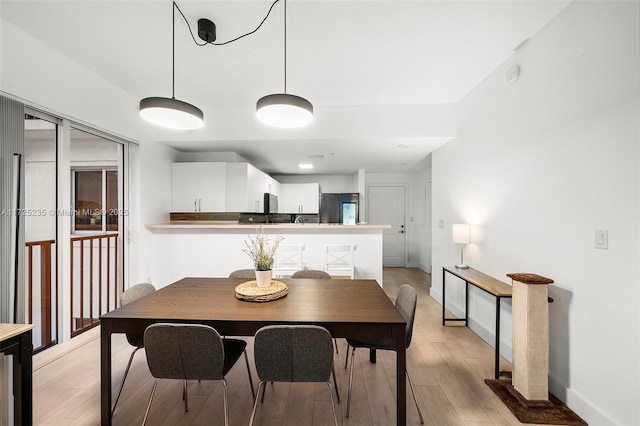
column 383, row 76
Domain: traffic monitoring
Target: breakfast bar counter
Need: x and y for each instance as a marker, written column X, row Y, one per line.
column 220, row 226
column 214, row 248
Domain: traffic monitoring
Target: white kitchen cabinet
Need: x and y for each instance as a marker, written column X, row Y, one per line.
column 272, row 186
column 300, row 198
column 198, row 187
column 246, row 186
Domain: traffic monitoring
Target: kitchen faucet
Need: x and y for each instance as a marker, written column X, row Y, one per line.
column 299, row 220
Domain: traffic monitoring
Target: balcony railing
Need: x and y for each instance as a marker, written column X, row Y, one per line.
column 41, row 292
column 94, row 279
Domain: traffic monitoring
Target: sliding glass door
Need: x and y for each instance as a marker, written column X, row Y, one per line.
column 74, row 219
column 98, row 220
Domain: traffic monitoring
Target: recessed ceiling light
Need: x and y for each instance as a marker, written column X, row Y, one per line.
column 402, row 145
column 305, row 166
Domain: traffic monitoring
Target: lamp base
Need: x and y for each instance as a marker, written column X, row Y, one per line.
column 461, row 266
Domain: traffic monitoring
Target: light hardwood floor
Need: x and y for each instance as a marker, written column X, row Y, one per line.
column 447, row 364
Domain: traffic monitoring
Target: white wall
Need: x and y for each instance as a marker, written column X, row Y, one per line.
column 423, row 217
column 151, row 204
column 538, row 166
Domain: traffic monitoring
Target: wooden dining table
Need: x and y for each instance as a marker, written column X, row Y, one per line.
column 347, row 308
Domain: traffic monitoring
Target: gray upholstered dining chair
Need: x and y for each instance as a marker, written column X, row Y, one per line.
column 243, row 273
column 191, row 352
column 406, row 301
column 311, row 273
column 293, row 353
column 318, row 274
column 135, row 339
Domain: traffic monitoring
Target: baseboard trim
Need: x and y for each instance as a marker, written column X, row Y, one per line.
column 53, row 353
column 579, row 404
column 485, row 334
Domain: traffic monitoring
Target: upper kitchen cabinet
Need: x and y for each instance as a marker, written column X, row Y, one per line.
column 199, row 187
column 246, row 186
column 299, row 198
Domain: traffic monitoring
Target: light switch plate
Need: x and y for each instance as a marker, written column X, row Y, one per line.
column 602, row 239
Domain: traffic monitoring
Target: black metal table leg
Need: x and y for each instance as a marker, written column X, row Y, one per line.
column 444, row 272
column 497, row 348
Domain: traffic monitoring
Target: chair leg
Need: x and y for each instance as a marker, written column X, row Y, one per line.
column 185, row 396
column 255, row 403
column 333, row 406
column 415, row 399
column 335, row 343
column 264, row 390
column 153, row 390
column 335, row 381
column 246, row 360
column 346, row 357
column 226, row 402
column 353, row 357
column 126, row 371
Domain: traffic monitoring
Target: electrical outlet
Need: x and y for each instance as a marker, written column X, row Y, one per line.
column 441, row 224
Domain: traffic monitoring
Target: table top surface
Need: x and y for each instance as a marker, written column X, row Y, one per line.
column 7, row 331
column 484, row 281
column 331, row 301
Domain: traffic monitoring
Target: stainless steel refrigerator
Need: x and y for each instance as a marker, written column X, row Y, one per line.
column 339, row 208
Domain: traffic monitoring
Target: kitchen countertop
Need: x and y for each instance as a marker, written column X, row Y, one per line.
column 222, row 225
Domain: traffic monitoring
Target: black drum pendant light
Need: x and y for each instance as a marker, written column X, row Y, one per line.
column 171, row 112
column 283, row 109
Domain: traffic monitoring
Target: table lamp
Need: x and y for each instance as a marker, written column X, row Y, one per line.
column 462, row 236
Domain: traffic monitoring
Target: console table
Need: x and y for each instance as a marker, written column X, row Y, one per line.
column 484, row 282
column 15, row 339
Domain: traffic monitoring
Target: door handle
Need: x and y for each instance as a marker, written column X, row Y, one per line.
column 401, row 231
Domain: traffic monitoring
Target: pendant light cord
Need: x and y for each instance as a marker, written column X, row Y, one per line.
column 229, row 41
column 285, row 46
column 173, row 53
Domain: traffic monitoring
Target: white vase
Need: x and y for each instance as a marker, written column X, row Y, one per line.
column 263, row 278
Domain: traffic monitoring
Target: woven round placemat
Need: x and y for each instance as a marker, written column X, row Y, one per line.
column 250, row 292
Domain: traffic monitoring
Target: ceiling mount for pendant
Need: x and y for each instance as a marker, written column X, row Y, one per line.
column 206, row 30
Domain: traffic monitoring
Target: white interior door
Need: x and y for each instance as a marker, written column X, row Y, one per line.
column 386, row 206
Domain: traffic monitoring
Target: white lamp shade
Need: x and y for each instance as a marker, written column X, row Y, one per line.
column 171, row 113
column 284, row 110
column 462, row 233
